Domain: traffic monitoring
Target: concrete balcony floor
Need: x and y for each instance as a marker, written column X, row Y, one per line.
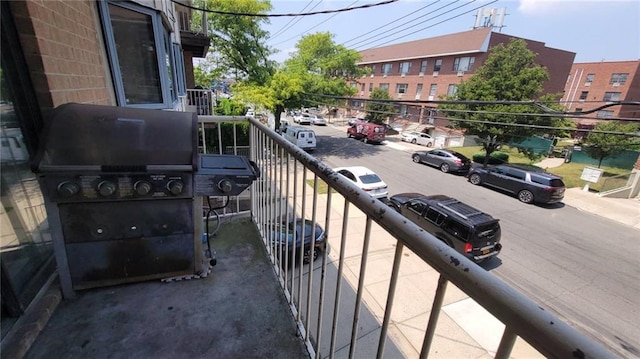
column 237, row 311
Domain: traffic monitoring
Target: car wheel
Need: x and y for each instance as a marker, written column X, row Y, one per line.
column 365, row 140
column 413, row 141
column 525, row 196
column 306, row 258
column 445, row 167
column 475, row 179
column 416, row 158
column 429, row 144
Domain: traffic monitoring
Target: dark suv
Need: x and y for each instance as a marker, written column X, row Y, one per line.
column 529, row 184
column 471, row 232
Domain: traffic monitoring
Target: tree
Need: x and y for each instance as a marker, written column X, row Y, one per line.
column 238, row 42
column 377, row 112
column 603, row 145
column 317, row 70
column 510, row 73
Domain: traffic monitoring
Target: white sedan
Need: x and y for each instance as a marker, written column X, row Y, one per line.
column 417, row 137
column 318, row 120
column 366, row 179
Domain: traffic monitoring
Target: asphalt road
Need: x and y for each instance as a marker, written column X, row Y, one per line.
column 582, row 267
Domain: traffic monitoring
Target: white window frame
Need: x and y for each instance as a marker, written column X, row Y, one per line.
column 402, row 88
column 160, row 35
column 604, row 114
column 437, row 65
column 618, row 78
column 419, row 90
column 433, row 90
column 386, row 69
column 611, row 96
column 384, row 86
column 463, row 63
column 423, row 66
column 589, row 80
column 404, row 67
column 452, row 89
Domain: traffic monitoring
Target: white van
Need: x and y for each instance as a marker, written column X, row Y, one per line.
column 300, row 136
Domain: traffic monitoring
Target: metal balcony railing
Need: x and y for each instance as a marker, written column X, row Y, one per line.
column 617, row 182
column 357, row 229
column 200, row 101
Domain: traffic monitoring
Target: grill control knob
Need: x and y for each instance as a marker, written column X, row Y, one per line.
column 68, row 189
column 107, row 188
column 175, row 187
column 225, row 185
column 142, row 187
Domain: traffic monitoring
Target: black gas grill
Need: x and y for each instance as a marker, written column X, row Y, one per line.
column 119, row 191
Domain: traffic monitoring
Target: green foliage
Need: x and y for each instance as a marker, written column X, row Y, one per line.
column 510, row 73
column 495, row 158
column 603, row 145
column 377, row 112
column 229, row 107
column 227, row 135
column 238, row 42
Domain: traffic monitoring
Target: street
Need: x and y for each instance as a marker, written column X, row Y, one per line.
column 583, row 267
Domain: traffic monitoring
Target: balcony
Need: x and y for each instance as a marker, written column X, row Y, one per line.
column 383, row 288
column 193, row 34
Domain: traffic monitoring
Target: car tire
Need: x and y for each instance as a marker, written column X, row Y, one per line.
column 475, row 179
column 416, row 158
column 365, row 140
column 413, row 141
column 445, row 167
column 525, row 196
column 429, row 144
column 306, row 257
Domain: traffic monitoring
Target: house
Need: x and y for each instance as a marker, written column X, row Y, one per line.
column 593, row 84
column 433, row 67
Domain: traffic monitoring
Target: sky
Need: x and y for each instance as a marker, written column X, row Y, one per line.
column 596, row 30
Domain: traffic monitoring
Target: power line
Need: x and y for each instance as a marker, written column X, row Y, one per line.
column 438, row 23
column 386, row 2
column 391, row 22
column 296, row 19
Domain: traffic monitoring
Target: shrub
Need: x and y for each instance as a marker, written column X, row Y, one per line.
column 496, row 157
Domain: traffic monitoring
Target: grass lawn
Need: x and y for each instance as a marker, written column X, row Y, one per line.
column 323, row 188
column 570, row 172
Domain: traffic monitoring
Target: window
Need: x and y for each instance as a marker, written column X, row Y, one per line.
column 362, row 87
column 611, row 96
column 373, row 69
column 417, row 207
column 604, row 114
column 384, row 86
column 455, row 228
column 452, row 89
column 589, row 80
column 618, row 79
column 437, row 65
column 517, row 174
column 433, row 89
column 463, row 63
column 370, row 86
column 434, row 216
column 386, row 69
column 418, row 90
column 583, row 95
column 354, row 85
column 401, row 88
column 423, row 66
column 404, row 68
column 142, row 59
column 179, row 68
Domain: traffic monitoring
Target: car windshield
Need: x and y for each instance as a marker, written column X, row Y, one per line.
column 487, row 230
column 370, row 178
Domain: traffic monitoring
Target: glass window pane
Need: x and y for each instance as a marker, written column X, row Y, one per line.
column 137, row 55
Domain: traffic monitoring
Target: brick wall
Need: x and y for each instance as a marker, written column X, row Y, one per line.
column 64, row 51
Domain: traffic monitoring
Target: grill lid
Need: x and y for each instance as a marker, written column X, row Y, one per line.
column 110, row 137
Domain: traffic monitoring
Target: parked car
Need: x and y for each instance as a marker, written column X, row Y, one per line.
column 302, row 118
column 445, row 160
column 366, row 179
column 318, row 120
column 352, row 121
column 468, row 230
column 368, row 132
column 529, row 184
column 282, row 237
column 417, row 138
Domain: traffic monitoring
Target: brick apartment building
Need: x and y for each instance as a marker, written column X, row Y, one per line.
column 593, row 84
column 122, row 53
column 429, row 68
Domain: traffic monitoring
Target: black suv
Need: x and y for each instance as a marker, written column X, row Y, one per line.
column 469, row 231
column 529, row 184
